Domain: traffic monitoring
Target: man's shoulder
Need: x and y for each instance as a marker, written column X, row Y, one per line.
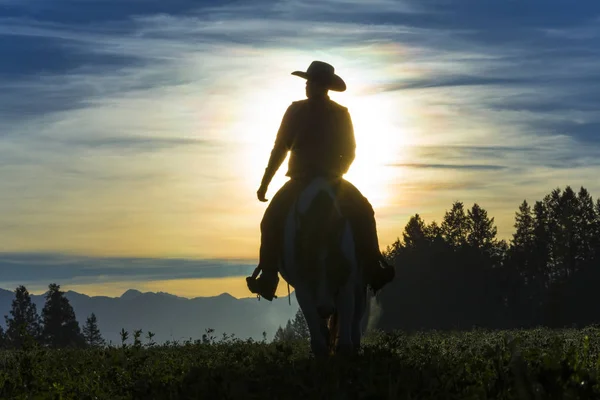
column 299, row 103
column 302, row 103
column 338, row 106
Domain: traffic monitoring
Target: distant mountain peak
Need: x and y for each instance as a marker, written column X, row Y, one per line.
column 73, row 293
column 166, row 294
column 170, row 316
column 131, row 294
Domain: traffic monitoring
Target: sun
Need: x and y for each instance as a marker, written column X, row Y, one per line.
column 379, row 144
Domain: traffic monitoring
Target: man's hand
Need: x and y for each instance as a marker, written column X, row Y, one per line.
column 261, row 192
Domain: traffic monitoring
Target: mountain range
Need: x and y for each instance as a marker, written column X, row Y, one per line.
column 171, row 317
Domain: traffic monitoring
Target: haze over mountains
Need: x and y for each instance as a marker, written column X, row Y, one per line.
column 171, row 317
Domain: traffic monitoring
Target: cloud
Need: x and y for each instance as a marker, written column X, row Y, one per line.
column 151, row 119
column 138, row 143
column 452, row 81
column 61, row 268
column 482, row 167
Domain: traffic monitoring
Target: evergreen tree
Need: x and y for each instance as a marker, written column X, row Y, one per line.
column 553, row 239
column 2, row 338
column 585, row 228
column 522, row 244
column 433, row 232
column 61, row 329
column 279, row 335
column 285, row 334
column 566, row 245
column 541, row 243
column 455, row 225
column 24, row 323
column 91, row 333
column 414, row 232
column 481, row 229
column 524, row 235
column 546, row 277
column 300, row 326
column 392, row 251
column 596, row 230
column 296, row 329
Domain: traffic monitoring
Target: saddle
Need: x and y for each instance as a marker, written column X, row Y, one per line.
column 319, row 227
column 319, row 234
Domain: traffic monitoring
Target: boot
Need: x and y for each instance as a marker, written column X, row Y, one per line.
column 379, row 273
column 265, row 285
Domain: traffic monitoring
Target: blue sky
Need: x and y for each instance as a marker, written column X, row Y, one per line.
column 141, row 128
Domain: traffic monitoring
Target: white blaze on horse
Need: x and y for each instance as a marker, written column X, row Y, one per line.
column 319, row 261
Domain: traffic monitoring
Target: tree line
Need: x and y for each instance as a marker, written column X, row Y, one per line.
column 458, row 275
column 295, row 329
column 57, row 326
column 452, row 275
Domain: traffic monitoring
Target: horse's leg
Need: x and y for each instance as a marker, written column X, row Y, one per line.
column 346, row 300
column 345, row 312
column 360, row 307
column 316, row 325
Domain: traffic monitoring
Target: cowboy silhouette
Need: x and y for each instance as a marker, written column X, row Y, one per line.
column 320, row 136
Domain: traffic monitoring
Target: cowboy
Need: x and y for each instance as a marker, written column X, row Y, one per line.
column 320, row 136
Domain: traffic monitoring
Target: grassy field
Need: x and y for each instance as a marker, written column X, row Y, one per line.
column 525, row 364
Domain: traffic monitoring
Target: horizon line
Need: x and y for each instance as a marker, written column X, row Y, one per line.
column 292, row 290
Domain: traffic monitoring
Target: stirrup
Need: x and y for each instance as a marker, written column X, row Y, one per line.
column 381, row 275
column 257, row 286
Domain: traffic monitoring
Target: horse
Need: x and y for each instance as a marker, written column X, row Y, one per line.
column 319, row 260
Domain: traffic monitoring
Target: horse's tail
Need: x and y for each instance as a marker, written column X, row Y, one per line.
column 334, row 330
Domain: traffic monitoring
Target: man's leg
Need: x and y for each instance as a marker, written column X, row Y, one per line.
column 361, row 215
column 271, row 245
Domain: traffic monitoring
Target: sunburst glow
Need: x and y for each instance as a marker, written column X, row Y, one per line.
column 377, row 126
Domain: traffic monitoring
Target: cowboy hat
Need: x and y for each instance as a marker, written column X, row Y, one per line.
column 322, row 72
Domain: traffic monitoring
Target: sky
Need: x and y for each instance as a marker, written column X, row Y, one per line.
column 134, row 134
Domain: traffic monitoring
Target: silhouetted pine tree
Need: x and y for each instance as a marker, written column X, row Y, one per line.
column 433, row 233
column 597, row 225
column 61, row 328
column 566, row 241
column 24, row 323
column 522, row 243
column 300, row 326
column 481, row 230
column 521, row 274
column 91, row 333
column 524, row 235
column 545, row 277
column 580, row 296
column 483, row 301
column 2, row 338
column 285, row 334
column 586, row 221
column 540, row 263
column 455, row 226
column 414, row 234
column 295, row 329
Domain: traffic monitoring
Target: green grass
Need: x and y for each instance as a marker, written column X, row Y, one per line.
column 525, row 364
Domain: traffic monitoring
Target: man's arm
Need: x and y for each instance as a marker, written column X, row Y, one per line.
column 280, row 149
column 348, row 148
